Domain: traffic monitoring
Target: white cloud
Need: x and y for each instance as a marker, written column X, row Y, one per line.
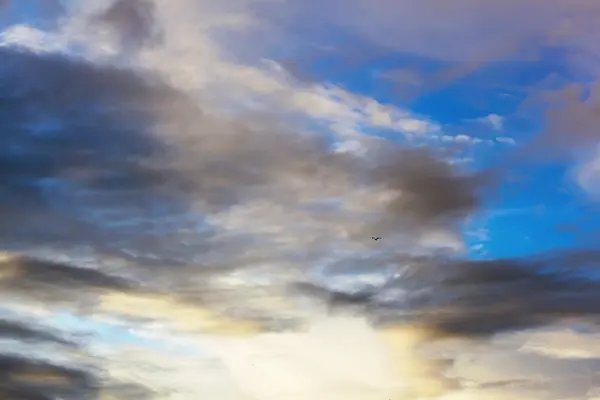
column 506, row 140
column 29, row 37
column 336, row 358
column 172, row 375
column 462, row 138
column 564, row 343
column 494, row 120
column 587, row 174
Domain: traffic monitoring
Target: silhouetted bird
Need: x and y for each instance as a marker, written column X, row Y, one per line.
column 375, row 238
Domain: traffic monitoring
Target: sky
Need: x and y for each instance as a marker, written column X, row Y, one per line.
column 189, row 191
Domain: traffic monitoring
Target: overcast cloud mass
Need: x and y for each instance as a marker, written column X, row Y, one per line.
column 189, row 188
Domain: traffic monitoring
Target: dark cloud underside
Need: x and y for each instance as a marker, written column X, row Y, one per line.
column 481, row 298
column 27, row 377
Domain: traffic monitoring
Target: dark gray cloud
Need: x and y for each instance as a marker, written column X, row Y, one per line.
column 28, row 377
column 22, row 377
column 481, row 298
column 77, row 154
column 430, row 190
column 28, row 332
column 54, row 282
column 131, row 20
column 495, row 296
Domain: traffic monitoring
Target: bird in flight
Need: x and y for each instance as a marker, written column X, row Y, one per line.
column 375, row 238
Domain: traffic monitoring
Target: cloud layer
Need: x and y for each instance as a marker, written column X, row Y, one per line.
column 159, row 173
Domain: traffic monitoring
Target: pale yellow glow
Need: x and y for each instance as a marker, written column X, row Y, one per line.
column 422, row 376
column 182, row 315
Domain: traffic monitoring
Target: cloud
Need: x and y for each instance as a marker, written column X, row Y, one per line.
column 505, row 367
column 204, row 182
column 481, row 298
column 496, row 296
column 54, row 159
column 467, row 30
column 563, row 344
column 281, row 357
column 56, row 283
column 190, row 317
column 506, row 140
column 25, row 378
column 586, row 174
column 169, row 152
column 174, row 152
column 494, row 120
column 64, row 371
column 119, row 152
column 132, row 21
column 468, row 40
column 28, row 332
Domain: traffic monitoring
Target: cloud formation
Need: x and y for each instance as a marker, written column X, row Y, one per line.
column 118, row 161
column 220, row 195
column 38, row 361
column 454, row 298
